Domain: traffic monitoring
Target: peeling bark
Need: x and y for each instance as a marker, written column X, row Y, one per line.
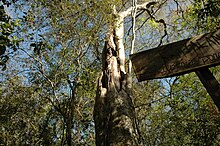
column 114, row 113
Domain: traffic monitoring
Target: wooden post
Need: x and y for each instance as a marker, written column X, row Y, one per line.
column 211, row 84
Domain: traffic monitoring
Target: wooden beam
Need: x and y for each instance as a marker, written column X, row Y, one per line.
column 178, row 58
column 211, row 84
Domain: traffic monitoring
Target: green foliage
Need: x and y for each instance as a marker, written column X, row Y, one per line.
column 205, row 14
column 51, row 81
column 21, row 111
column 7, row 40
column 183, row 114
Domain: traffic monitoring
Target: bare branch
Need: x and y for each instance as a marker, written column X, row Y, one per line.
column 134, row 11
column 179, row 9
column 148, row 17
column 162, row 22
column 143, row 6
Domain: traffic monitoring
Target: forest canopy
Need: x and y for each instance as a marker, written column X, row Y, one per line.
column 55, row 72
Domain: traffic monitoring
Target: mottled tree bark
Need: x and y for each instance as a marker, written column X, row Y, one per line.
column 114, row 113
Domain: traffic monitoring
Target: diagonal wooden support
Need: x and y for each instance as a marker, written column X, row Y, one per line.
column 211, row 84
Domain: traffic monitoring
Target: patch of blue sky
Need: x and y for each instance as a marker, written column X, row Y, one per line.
column 29, row 35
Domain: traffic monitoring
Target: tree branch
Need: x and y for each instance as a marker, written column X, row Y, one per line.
column 162, row 22
column 143, row 6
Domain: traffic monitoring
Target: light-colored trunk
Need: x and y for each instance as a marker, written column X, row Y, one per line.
column 114, row 113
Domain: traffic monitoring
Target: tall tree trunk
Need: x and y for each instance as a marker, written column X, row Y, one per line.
column 114, row 113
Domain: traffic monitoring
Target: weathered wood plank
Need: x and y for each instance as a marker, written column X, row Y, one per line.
column 178, row 58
